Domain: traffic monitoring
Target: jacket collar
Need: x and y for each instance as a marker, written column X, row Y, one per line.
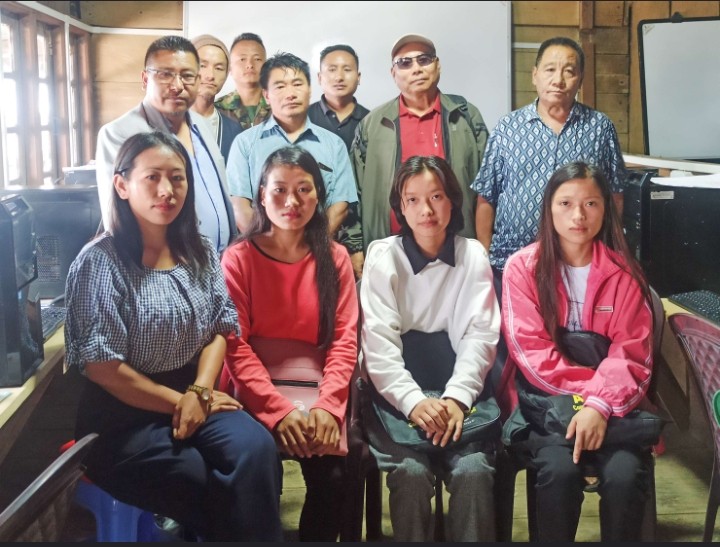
column 155, row 118
column 418, row 261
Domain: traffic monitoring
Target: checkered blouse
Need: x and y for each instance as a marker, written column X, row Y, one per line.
column 153, row 320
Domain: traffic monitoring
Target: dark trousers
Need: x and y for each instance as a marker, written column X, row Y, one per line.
column 321, row 515
column 223, row 483
column 623, row 489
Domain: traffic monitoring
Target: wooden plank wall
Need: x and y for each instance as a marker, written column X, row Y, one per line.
column 606, row 29
column 117, row 59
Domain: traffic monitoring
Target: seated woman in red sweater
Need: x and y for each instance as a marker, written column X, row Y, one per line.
column 290, row 280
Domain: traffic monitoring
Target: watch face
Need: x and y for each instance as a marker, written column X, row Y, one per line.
column 203, row 392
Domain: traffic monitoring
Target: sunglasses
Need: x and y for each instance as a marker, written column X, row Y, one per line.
column 424, row 59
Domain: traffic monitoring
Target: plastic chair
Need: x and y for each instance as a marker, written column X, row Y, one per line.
column 509, row 463
column 40, row 511
column 115, row 521
column 700, row 343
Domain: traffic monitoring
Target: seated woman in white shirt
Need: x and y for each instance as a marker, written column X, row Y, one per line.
column 431, row 280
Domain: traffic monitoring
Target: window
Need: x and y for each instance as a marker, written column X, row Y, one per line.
column 13, row 170
column 45, row 116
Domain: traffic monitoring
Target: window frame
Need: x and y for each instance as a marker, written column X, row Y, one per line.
column 71, row 140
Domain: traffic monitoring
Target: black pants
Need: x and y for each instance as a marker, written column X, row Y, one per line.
column 623, row 487
column 322, row 512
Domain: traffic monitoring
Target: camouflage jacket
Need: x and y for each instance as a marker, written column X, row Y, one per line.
column 232, row 106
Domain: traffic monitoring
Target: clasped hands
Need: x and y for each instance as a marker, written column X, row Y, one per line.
column 191, row 412
column 440, row 419
column 304, row 435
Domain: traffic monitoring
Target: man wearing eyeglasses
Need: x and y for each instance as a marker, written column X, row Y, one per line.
column 420, row 121
column 170, row 81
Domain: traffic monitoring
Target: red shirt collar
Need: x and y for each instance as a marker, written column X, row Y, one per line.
column 436, row 107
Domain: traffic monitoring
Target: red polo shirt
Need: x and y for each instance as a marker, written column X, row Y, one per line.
column 419, row 136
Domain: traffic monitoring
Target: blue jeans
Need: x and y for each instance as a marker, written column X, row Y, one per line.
column 223, row 483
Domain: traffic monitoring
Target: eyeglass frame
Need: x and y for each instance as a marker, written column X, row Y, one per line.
column 397, row 61
column 160, row 74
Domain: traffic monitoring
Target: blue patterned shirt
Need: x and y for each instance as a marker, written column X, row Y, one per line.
column 521, row 155
column 153, row 320
column 252, row 147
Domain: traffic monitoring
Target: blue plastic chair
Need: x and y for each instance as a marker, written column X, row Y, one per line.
column 116, row 521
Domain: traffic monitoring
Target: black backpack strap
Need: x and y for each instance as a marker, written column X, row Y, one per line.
column 464, row 112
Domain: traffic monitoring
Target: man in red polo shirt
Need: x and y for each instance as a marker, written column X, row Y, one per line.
column 420, row 121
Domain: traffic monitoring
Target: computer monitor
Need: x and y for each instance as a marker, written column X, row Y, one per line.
column 21, row 344
column 65, row 218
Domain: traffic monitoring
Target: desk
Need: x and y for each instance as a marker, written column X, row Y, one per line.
column 17, row 408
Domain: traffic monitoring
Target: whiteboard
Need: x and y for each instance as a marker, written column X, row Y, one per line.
column 680, row 80
column 472, row 39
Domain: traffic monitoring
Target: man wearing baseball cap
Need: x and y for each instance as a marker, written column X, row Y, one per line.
column 214, row 66
column 421, row 121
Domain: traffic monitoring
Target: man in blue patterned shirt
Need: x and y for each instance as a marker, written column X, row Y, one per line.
column 528, row 145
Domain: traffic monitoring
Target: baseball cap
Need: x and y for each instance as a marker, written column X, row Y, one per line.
column 209, row 40
column 412, row 39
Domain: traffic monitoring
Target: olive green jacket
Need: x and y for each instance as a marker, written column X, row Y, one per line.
column 375, row 155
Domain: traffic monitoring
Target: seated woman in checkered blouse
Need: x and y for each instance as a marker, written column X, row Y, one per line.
column 147, row 318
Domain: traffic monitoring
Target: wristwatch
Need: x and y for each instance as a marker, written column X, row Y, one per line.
column 202, row 392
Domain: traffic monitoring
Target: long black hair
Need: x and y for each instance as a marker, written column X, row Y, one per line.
column 183, row 236
column 316, row 234
column 550, row 258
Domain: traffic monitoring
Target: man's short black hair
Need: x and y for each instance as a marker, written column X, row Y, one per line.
column 283, row 60
column 247, row 37
column 171, row 43
column 562, row 41
column 339, row 47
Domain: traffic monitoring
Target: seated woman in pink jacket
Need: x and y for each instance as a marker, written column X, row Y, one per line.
column 579, row 275
column 289, row 280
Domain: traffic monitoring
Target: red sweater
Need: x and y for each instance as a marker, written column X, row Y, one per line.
column 279, row 300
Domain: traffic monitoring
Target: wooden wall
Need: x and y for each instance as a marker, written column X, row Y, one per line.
column 606, row 29
column 117, row 59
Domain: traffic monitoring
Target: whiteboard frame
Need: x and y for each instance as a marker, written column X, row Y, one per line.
column 666, row 71
column 473, row 41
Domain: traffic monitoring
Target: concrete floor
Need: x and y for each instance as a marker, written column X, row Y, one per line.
column 682, row 476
